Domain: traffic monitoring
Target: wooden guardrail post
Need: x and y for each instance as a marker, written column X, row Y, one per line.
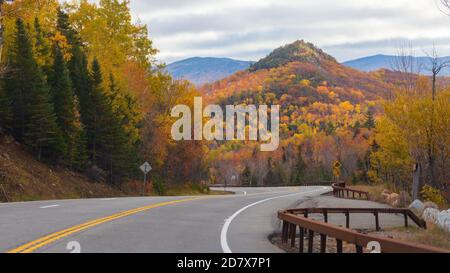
column 325, row 215
column 347, row 219
column 311, row 241
column 293, row 234
column 302, row 240
column 284, row 231
column 323, row 243
column 338, row 246
column 377, row 222
column 359, row 249
column 305, row 214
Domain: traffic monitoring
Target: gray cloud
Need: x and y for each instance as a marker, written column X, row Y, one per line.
column 252, row 28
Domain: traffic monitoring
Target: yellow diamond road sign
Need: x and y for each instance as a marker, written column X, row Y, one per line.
column 146, row 168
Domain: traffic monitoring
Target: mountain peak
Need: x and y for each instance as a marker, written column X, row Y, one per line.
column 298, row 51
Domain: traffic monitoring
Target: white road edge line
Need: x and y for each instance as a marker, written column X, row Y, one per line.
column 108, row 199
column 50, row 206
column 223, row 233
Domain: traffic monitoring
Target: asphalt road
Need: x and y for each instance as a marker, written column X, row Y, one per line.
column 237, row 223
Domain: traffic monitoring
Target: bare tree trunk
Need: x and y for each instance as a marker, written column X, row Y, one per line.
column 416, row 181
column 437, row 65
column 434, row 86
column 409, row 68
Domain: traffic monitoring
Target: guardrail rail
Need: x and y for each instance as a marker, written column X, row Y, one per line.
column 340, row 190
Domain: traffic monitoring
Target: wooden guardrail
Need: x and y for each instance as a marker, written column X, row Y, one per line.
column 309, row 228
column 407, row 214
column 341, row 191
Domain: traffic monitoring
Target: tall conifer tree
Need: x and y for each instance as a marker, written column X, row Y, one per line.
column 5, row 110
column 67, row 112
column 34, row 121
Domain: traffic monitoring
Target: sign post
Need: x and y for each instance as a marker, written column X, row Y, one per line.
column 145, row 168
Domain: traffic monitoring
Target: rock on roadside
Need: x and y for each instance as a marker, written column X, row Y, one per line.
column 441, row 219
column 417, row 207
column 430, row 215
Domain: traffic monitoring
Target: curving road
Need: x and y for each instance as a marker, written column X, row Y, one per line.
column 237, row 223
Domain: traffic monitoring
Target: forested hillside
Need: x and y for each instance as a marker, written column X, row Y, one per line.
column 336, row 123
column 79, row 89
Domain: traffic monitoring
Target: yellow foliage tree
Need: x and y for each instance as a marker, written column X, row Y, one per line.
column 413, row 129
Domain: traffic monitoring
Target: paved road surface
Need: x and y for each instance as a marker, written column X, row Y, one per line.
column 231, row 223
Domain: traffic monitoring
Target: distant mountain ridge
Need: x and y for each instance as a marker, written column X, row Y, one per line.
column 380, row 61
column 306, row 74
column 199, row 70
column 207, row 70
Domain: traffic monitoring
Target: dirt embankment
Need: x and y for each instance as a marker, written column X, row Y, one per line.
column 23, row 178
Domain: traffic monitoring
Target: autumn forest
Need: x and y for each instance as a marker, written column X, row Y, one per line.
column 81, row 88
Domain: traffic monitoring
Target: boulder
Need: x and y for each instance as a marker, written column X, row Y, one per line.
column 417, row 207
column 430, row 205
column 431, row 215
column 393, row 199
column 385, row 195
column 443, row 220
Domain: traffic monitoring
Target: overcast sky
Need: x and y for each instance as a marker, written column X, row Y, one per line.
column 250, row 29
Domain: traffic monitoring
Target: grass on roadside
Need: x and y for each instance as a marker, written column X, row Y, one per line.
column 432, row 236
column 374, row 191
column 134, row 188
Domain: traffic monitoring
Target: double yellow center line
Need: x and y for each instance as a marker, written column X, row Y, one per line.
column 41, row 242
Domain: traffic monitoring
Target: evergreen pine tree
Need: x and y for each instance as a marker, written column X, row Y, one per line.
column 126, row 110
column 109, row 117
column 5, row 110
column 300, row 169
column 63, row 26
column 78, row 70
column 62, row 95
column 99, row 125
column 79, row 75
column 108, row 137
column 80, row 155
column 246, row 177
column 370, row 121
column 34, row 122
column 66, row 110
column 42, row 48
